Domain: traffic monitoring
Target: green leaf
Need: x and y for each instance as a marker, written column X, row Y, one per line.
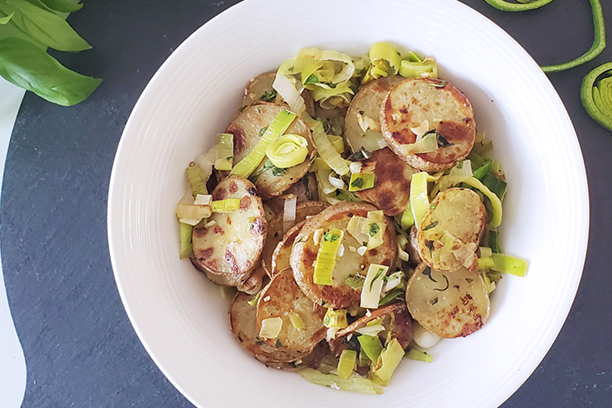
column 27, row 66
column 43, row 26
column 4, row 20
column 63, row 6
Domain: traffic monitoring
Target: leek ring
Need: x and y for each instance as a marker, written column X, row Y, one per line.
column 287, row 151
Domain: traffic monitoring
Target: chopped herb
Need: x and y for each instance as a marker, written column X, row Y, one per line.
column 447, row 285
column 374, row 228
column 262, row 131
column 390, row 296
column 433, row 206
column 357, row 183
column 278, row 344
column 429, row 245
column 268, row 96
column 427, row 272
column 328, row 236
column 312, row 79
column 277, row 171
column 290, row 69
column 438, row 84
column 361, row 154
column 434, row 301
column 442, row 141
column 260, row 342
column 380, row 271
column 469, row 280
column 430, row 226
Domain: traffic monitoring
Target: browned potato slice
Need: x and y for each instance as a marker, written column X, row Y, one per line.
column 243, row 325
column 449, row 304
column 395, row 318
column 304, row 190
column 282, row 253
column 275, row 229
column 461, row 213
column 229, row 249
column 259, row 89
column 367, row 104
column 446, row 109
column 339, row 294
column 392, row 189
column 282, row 297
column 246, row 128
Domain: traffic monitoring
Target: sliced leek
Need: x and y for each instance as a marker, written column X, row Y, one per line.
column 362, row 181
column 419, row 200
column 225, row 206
column 385, row 52
column 419, row 69
column 388, row 361
column 335, row 318
column 297, row 321
column 197, row 179
column 325, row 149
column 418, row 355
column 509, row 264
column 346, row 364
column 496, row 217
column 355, row 382
column 278, row 126
column 225, row 151
column 407, row 219
column 185, row 247
column 372, row 287
column 326, row 257
column 270, row 327
column 287, row 151
column 429, row 143
column 371, row 346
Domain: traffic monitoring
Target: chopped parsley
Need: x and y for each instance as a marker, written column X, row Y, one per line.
column 268, row 96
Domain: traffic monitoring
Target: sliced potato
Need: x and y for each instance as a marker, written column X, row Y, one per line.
column 229, row 249
column 259, row 89
column 276, row 229
column 366, row 104
column 281, row 257
column 243, row 325
column 391, row 192
column 394, row 317
column 283, row 298
column 449, row 304
column 247, row 129
column 443, row 108
column 451, row 230
column 306, row 246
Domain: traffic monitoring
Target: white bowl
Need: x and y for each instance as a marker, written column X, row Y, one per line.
column 180, row 316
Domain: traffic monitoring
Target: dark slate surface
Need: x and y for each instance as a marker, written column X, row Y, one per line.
column 79, row 346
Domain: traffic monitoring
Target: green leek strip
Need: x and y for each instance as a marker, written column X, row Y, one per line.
column 225, row 151
column 297, row 321
column 596, row 94
column 390, row 296
column 225, row 206
column 346, row 364
column 372, row 287
column 333, row 56
column 407, row 220
column 482, row 170
column 371, row 346
column 495, row 201
column 196, row 178
column 507, row 6
column 185, row 247
column 287, row 151
column 388, row 361
column 354, row 282
column 326, row 258
column 319, row 164
column 335, row 318
column 376, row 229
column 355, row 382
column 385, row 51
column 271, row 327
column 486, row 262
column 494, row 242
column 509, row 264
column 418, row 355
column 362, row 181
column 429, row 143
column 331, row 97
column 427, row 68
column 279, row 125
column 337, row 142
column 285, row 87
column 419, row 200
column 495, row 184
column 253, row 302
column 325, row 149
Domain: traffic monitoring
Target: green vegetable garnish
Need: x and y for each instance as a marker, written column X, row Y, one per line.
column 596, row 94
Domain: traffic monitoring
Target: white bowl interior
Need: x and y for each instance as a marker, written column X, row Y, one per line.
column 180, row 316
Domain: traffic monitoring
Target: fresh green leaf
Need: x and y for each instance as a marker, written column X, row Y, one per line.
column 63, row 6
column 27, row 66
column 43, row 26
column 4, row 20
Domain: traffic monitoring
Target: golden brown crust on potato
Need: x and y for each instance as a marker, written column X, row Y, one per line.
column 367, row 103
column 229, row 248
column 449, row 304
column 246, row 128
column 304, row 253
column 281, row 297
column 447, row 110
column 392, row 189
column 276, row 233
column 461, row 213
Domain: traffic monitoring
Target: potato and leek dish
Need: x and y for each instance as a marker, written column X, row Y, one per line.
column 352, row 212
